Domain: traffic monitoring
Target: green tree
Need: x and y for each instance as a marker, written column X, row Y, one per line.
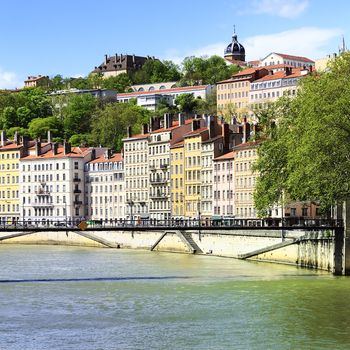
column 110, row 124
column 306, row 155
column 78, row 113
column 39, row 127
column 186, row 103
column 121, row 83
column 207, row 106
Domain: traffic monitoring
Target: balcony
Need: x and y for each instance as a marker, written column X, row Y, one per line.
column 158, row 181
column 158, row 195
column 76, row 190
column 42, row 192
column 77, row 202
column 164, row 166
column 152, row 168
column 76, row 179
column 42, row 205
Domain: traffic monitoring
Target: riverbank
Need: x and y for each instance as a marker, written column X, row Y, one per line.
column 313, row 250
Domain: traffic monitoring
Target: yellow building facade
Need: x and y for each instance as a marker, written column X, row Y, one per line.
column 177, row 178
column 10, row 153
column 193, row 153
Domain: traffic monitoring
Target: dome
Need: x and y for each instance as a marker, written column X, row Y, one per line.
column 235, row 50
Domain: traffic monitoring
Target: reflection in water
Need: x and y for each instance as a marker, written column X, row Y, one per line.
column 165, row 301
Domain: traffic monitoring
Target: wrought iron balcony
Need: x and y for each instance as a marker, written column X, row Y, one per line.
column 77, row 202
column 76, row 190
column 76, row 179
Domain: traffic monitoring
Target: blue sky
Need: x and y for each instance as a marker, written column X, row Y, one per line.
column 71, row 37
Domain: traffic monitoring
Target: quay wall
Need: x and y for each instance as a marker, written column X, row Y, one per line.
column 305, row 249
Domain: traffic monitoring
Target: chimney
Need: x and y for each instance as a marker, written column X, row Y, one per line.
column 270, row 72
column 25, row 142
column 195, row 124
column 154, row 123
column 168, row 120
column 55, row 148
column 246, row 130
column 116, row 58
column 37, row 148
column 181, row 119
column 66, row 147
column 233, row 120
column 106, row 59
column 49, row 138
column 288, row 70
column 129, row 131
column 225, row 133
column 16, row 138
column 93, row 154
column 107, row 154
column 133, row 59
column 3, row 138
column 211, row 128
column 144, row 129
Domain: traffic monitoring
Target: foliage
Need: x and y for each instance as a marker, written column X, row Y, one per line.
column 39, row 127
column 307, row 154
column 110, row 124
column 206, row 70
column 121, row 83
column 78, row 114
column 207, row 106
column 81, row 140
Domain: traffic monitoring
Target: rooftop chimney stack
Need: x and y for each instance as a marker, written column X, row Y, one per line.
column 55, row 148
column 129, row 131
column 246, row 130
column 195, row 124
column 93, row 154
column 3, row 138
column 37, row 147
column 181, row 119
column 16, row 138
column 49, row 138
column 66, row 147
column 144, row 129
column 106, row 56
column 168, row 120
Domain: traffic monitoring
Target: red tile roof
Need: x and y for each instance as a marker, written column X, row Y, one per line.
column 296, row 73
column 174, row 126
column 76, row 152
column 294, row 58
column 196, row 132
column 116, row 157
column 249, row 144
column 178, row 89
column 229, row 155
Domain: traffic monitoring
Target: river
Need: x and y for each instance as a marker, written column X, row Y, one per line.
column 55, row 297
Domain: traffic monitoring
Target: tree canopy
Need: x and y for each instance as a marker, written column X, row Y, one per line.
column 306, row 151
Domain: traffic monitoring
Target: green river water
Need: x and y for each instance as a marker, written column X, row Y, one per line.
column 84, row 298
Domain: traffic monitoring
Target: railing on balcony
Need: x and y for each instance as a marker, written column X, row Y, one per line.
column 42, row 192
column 76, row 202
column 76, row 179
column 76, row 190
column 158, row 181
column 158, row 195
column 42, row 205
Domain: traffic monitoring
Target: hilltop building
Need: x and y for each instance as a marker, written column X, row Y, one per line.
column 118, row 64
column 36, row 81
column 235, row 52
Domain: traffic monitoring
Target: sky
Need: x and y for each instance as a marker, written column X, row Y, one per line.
column 70, row 38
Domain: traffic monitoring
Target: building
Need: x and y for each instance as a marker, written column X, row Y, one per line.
column 98, row 93
column 153, row 86
column 136, row 165
column 150, row 99
column 37, row 81
column 235, row 52
column 233, row 94
column 274, row 85
column 105, row 188
column 118, row 64
column 10, row 154
column 280, row 58
column 223, row 192
column 160, row 141
column 52, row 182
column 177, row 178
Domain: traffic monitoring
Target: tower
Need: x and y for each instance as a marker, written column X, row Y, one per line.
column 234, row 50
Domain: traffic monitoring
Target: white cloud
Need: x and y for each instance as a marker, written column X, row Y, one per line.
column 280, row 8
column 9, row 80
column 311, row 42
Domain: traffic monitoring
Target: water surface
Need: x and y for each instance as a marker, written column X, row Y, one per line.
column 84, row 298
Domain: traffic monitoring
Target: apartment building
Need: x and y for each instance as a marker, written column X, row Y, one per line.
column 105, row 188
column 136, row 167
column 223, row 189
column 52, row 183
column 10, row 153
column 160, row 140
column 233, row 94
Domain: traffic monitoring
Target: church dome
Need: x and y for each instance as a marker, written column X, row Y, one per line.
column 235, row 50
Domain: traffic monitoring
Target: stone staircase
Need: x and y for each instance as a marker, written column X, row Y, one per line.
column 97, row 239
column 188, row 240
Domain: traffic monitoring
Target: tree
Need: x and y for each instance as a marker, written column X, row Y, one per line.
column 121, row 83
column 207, row 106
column 307, row 155
column 78, row 113
column 110, row 124
column 186, row 103
column 39, row 127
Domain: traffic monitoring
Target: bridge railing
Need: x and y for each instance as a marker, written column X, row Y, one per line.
column 186, row 223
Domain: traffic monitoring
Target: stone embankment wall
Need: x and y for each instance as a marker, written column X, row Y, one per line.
column 300, row 248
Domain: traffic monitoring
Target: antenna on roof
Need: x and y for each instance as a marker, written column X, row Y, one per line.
column 234, row 29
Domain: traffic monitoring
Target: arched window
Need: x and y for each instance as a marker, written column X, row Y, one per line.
column 162, row 87
column 151, row 88
column 141, row 89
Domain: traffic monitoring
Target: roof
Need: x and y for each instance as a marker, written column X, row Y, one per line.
column 241, row 74
column 174, row 126
column 33, row 78
column 292, row 57
column 178, row 144
column 296, row 73
column 196, row 132
column 177, row 89
column 249, row 144
column 254, row 62
column 116, row 157
column 229, row 155
column 76, row 152
column 276, row 66
column 136, row 137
